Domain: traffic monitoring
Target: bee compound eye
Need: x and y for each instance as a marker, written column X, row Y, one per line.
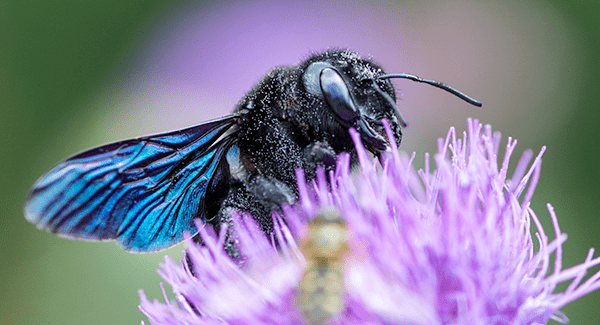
column 336, row 93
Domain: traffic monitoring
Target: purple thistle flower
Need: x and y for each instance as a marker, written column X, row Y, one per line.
column 449, row 246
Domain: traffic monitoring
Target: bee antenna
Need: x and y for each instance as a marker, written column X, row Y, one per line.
column 435, row 84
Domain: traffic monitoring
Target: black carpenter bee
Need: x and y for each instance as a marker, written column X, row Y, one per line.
column 145, row 193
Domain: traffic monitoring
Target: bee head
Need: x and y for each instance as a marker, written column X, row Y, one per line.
column 349, row 90
column 355, row 92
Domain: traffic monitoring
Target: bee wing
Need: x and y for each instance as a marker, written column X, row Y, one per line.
column 143, row 192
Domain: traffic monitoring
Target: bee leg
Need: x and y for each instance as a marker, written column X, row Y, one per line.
column 258, row 196
column 318, row 154
column 270, row 192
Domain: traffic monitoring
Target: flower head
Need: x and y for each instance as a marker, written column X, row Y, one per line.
column 452, row 245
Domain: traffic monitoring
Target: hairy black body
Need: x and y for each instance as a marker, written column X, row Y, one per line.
column 282, row 126
column 147, row 192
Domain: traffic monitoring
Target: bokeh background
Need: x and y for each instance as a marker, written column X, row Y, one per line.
column 78, row 73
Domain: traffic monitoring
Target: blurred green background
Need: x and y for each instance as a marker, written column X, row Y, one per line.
column 68, row 81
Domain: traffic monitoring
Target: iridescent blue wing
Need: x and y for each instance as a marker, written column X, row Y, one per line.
column 144, row 192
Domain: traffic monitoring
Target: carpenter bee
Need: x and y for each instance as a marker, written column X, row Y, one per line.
column 146, row 192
